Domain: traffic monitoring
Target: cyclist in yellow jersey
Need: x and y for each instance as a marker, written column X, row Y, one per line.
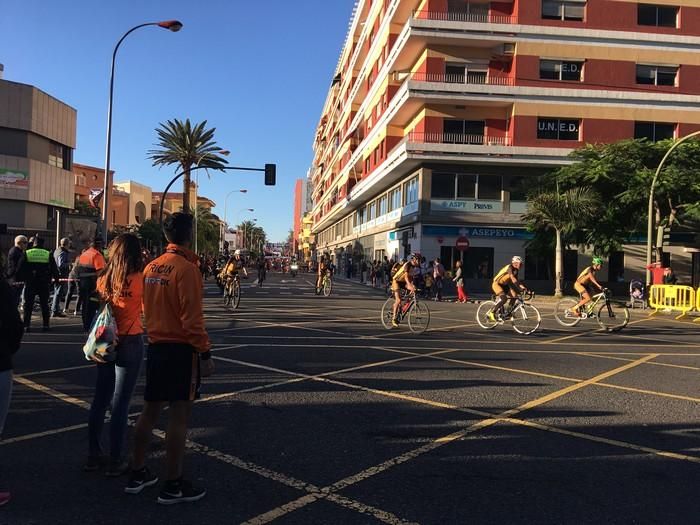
column 584, row 281
column 506, row 284
column 403, row 279
column 233, row 266
column 323, row 269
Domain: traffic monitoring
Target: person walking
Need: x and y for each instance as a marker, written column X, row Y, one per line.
column 14, row 260
column 12, row 331
column 62, row 257
column 177, row 356
column 37, row 270
column 91, row 262
column 262, row 270
column 121, row 286
column 458, row 279
column 438, row 275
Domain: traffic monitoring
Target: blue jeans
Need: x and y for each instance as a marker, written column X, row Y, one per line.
column 59, row 291
column 115, row 385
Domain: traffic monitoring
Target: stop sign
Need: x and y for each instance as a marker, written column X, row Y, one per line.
column 462, row 243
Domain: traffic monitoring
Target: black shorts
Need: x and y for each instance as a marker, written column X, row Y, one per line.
column 172, row 372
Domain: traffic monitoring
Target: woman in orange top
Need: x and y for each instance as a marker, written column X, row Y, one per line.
column 121, row 285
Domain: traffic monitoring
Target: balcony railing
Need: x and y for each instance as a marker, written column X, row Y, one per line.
column 468, row 78
column 459, row 138
column 463, row 16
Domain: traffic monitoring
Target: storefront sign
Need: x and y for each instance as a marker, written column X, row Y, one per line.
column 14, row 178
column 473, row 232
column 467, row 206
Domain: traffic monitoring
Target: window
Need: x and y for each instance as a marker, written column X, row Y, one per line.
column 383, row 202
column 463, row 131
column 56, row 154
column 412, row 191
column 489, row 187
column 372, row 211
column 395, row 199
column 654, row 131
column 657, row 15
column 443, row 186
column 558, row 129
column 560, row 70
column 657, row 75
column 517, row 189
column 563, row 9
column 469, row 73
column 466, row 186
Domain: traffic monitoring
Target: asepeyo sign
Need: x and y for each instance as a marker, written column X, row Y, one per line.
column 467, row 206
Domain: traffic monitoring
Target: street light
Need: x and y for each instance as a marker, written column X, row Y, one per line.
column 223, row 152
column 170, row 25
column 225, row 221
column 650, row 221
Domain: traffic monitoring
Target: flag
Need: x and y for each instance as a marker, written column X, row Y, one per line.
column 95, row 197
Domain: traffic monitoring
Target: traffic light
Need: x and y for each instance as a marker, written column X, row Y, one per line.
column 270, row 174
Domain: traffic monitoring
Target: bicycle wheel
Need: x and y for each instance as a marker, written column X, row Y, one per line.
column 227, row 295
column 482, row 315
column 526, row 319
column 388, row 313
column 613, row 317
column 563, row 315
column 327, row 287
column 418, row 317
column 236, row 298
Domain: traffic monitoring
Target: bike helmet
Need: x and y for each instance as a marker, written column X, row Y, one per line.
column 237, row 252
column 415, row 255
column 516, row 259
column 596, row 261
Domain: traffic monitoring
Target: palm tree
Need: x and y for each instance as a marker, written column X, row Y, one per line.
column 563, row 213
column 207, row 231
column 186, row 145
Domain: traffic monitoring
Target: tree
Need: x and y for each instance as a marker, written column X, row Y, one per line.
column 186, row 145
column 207, row 231
column 254, row 237
column 563, row 213
column 150, row 233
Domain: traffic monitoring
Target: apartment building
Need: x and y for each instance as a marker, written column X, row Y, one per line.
column 442, row 111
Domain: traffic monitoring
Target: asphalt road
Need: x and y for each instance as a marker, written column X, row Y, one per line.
column 317, row 414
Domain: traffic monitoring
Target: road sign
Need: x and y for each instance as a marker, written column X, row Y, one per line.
column 462, row 243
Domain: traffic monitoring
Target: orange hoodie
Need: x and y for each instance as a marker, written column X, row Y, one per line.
column 172, row 299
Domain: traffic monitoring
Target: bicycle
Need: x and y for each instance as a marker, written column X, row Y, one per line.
column 232, row 292
column 326, row 286
column 523, row 316
column 417, row 313
column 611, row 316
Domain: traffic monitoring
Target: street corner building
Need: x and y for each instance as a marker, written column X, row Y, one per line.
column 37, row 139
column 441, row 112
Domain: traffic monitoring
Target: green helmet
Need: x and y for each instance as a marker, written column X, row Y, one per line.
column 596, row 261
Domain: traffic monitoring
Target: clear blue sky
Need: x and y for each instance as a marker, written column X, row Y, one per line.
column 257, row 71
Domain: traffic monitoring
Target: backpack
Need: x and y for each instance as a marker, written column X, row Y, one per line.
column 102, row 340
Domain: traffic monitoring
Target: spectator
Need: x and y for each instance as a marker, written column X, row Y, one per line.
column 14, row 260
column 62, row 257
column 657, row 273
column 669, row 277
column 262, row 270
column 91, row 262
column 458, row 279
column 73, row 288
column 178, row 354
column 9, row 344
column 37, row 270
column 438, row 275
column 363, row 271
column 121, row 286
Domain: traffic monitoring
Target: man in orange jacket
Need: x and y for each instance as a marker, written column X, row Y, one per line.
column 177, row 356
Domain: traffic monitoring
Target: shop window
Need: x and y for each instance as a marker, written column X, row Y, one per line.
column 477, row 263
column 563, row 9
column 654, row 131
column 657, row 15
column 616, row 267
column 561, row 70
column 558, row 129
column 657, row 75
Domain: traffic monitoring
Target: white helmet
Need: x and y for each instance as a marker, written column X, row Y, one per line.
column 516, row 259
column 237, row 252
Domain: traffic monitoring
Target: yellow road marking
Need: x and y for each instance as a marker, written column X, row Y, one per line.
column 655, row 363
column 53, row 393
column 444, row 440
column 46, row 433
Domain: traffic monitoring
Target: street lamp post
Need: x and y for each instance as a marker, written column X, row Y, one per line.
column 223, row 152
column 650, row 220
column 170, row 25
column 225, row 221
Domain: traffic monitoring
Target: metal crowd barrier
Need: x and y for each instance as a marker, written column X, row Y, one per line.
column 673, row 297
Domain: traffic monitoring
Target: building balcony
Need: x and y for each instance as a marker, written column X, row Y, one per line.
column 476, row 78
column 460, row 138
column 476, row 17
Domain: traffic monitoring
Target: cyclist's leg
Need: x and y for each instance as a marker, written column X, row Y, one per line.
column 512, row 295
column 500, row 297
column 585, row 296
column 396, row 288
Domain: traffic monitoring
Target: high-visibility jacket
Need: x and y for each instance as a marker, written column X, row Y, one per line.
column 91, row 261
column 172, row 299
column 38, row 265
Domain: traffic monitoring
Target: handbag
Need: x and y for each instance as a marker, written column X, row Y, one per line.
column 102, row 340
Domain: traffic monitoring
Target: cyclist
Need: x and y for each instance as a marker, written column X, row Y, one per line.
column 584, row 281
column 403, row 279
column 232, row 267
column 324, row 268
column 506, row 285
